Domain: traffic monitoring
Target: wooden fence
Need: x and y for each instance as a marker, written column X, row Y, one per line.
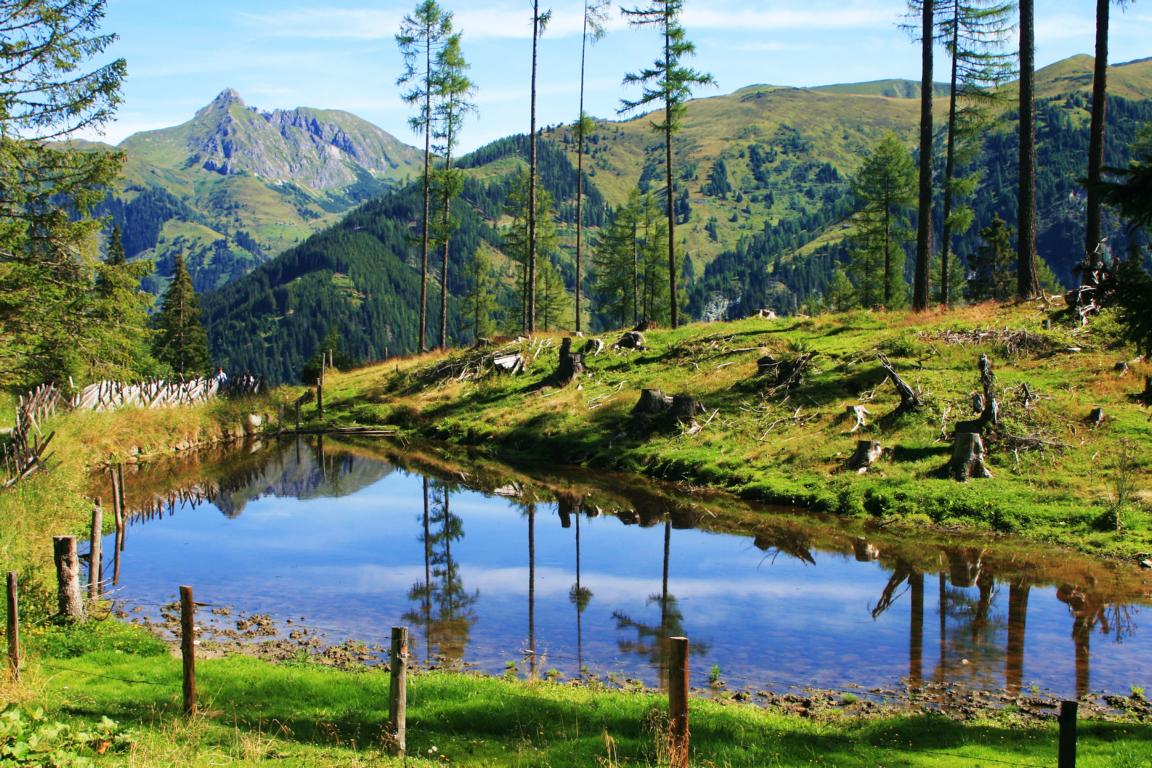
column 22, row 451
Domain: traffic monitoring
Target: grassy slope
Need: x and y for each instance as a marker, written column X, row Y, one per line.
column 795, row 450
column 304, row 715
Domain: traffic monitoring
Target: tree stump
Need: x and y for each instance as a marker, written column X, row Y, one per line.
column 858, row 414
column 864, row 550
column 868, row 452
column 766, row 365
column 631, row 340
column 571, row 365
column 1147, row 389
column 1096, row 417
column 968, row 457
column 652, row 402
column 685, row 408
column 644, row 325
column 593, row 347
column 1121, row 367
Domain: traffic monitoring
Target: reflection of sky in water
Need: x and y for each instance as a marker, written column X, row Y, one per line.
column 347, row 565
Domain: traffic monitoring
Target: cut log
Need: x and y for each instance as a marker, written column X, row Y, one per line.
column 857, row 414
column 909, row 400
column 968, row 457
column 571, row 364
column 652, row 402
column 631, row 340
column 868, row 452
column 511, row 363
column 593, row 347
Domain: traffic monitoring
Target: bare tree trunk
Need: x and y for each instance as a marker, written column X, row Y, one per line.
column 924, row 223
column 421, row 346
column 668, row 175
column 1027, row 284
column 950, row 164
column 530, row 326
column 1092, row 230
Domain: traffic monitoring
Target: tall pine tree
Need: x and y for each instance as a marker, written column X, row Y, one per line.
column 181, row 340
column 667, row 81
column 1027, row 282
column 420, row 38
column 595, row 14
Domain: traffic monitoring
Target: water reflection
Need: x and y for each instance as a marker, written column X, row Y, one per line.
column 333, row 534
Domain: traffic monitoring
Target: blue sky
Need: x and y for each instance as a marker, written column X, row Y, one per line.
column 342, row 55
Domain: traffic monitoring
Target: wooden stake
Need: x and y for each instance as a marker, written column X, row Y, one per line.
column 1068, row 734
column 95, row 556
column 68, row 598
column 13, row 628
column 188, row 648
column 678, row 741
column 398, row 691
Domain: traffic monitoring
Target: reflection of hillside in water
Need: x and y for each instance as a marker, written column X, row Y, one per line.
column 298, row 470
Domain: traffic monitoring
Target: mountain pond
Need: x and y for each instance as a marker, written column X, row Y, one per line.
column 566, row 573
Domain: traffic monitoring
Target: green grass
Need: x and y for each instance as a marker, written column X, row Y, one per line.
column 793, row 449
column 300, row 714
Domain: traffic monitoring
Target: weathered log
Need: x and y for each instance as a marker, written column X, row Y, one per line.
column 858, row 414
column 652, row 402
column 1096, row 417
column 571, row 364
column 593, row 347
column 766, row 365
column 990, row 412
column 909, row 400
column 968, row 457
column 631, row 340
column 868, row 452
column 511, row 363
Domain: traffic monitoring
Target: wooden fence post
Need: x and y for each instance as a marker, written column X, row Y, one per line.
column 398, row 691
column 188, row 648
column 13, row 628
column 1068, row 734
column 68, row 597
column 320, row 394
column 678, row 741
column 95, row 555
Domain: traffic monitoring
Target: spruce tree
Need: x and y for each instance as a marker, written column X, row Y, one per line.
column 452, row 89
column 121, row 348
column 181, row 340
column 479, row 301
column 519, row 242
column 420, row 38
column 885, row 187
column 48, row 186
column 667, row 81
column 992, row 264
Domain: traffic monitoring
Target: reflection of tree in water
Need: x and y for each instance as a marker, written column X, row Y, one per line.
column 443, row 607
column 970, row 635
column 1088, row 612
column 651, row 639
column 579, row 595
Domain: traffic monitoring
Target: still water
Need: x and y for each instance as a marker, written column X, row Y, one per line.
column 491, row 568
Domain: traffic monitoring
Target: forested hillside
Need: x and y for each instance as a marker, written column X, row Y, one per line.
column 764, row 214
